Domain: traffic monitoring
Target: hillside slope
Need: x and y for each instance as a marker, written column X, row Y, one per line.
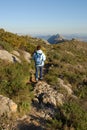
column 60, row 100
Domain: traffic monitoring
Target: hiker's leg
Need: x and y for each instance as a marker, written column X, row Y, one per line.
column 41, row 72
column 37, row 69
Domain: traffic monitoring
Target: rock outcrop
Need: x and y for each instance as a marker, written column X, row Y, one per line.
column 45, row 94
column 5, row 55
column 27, row 56
column 14, row 56
column 16, row 53
column 67, row 88
column 7, row 106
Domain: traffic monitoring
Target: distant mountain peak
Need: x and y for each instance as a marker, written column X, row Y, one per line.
column 56, row 39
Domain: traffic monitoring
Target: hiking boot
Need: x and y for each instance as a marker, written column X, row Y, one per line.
column 36, row 80
column 41, row 78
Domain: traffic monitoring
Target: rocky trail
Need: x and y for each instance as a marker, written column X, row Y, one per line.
column 46, row 103
column 44, row 106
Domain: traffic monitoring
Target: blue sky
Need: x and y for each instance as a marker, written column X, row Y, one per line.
column 44, row 16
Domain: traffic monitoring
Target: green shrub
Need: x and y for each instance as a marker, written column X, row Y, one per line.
column 75, row 115
column 13, row 79
column 6, row 46
column 13, row 84
column 54, row 124
column 51, row 79
column 81, row 91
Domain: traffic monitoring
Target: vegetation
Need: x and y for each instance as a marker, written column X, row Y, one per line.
column 66, row 60
column 71, row 116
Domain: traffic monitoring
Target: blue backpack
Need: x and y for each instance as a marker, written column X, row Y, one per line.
column 38, row 58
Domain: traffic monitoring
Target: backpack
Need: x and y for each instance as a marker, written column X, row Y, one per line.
column 38, row 58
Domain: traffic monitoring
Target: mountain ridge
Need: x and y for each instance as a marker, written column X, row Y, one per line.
column 81, row 37
column 56, row 39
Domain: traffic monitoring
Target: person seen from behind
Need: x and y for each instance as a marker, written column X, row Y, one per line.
column 39, row 59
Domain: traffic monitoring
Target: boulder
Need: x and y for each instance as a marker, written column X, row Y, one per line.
column 7, row 106
column 47, row 95
column 5, row 55
column 27, row 56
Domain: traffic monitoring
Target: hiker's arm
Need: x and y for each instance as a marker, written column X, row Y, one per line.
column 44, row 57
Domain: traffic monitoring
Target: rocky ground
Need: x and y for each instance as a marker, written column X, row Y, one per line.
column 44, row 107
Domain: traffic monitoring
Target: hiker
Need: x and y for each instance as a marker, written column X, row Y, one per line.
column 39, row 58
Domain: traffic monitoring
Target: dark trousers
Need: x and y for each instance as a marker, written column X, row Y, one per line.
column 39, row 72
